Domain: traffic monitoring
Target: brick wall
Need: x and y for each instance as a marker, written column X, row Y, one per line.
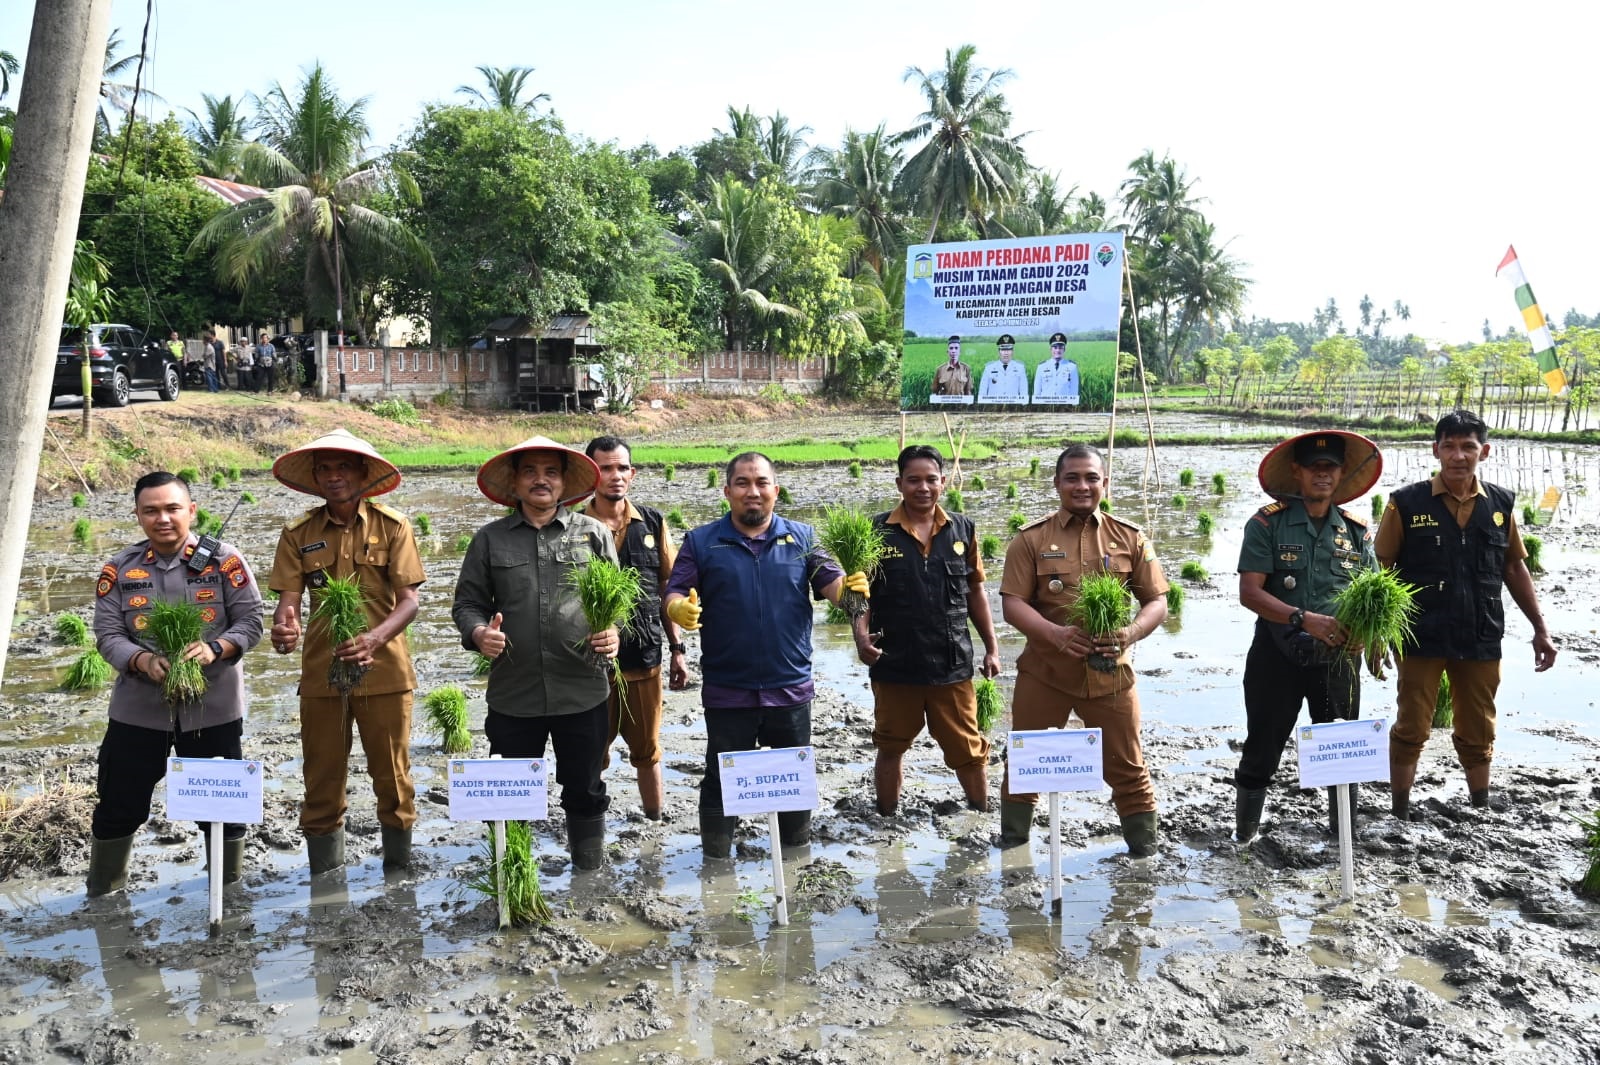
column 418, row 374
column 750, row 371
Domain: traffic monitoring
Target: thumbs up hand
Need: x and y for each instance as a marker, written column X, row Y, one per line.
column 490, row 640
column 685, row 613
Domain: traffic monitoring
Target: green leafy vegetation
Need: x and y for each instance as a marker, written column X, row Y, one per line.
column 174, row 626
column 607, row 594
column 989, row 546
column 976, row 483
column 1205, row 523
column 1193, row 571
column 954, row 502
column 1180, row 501
column 87, row 672
column 1033, row 466
column 1011, row 490
column 783, row 495
column 675, row 518
column 481, row 664
column 856, row 543
column 1219, row 483
column 219, row 480
column 1444, row 708
column 424, row 525
column 1535, row 547
column 711, row 478
column 82, row 531
column 668, row 472
column 72, row 630
column 1590, row 884
column 855, row 470
column 1377, row 506
column 189, row 476
column 1376, row 610
column 1103, row 607
column 990, row 706
column 835, row 615
column 339, row 610
column 1105, row 506
column 79, row 500
column 463, row 542
column 234, row 474
column 1015, row 521
column 1175, row 599
column 525, row 902
column 1530, row 516
column 398, row 410
column 1185, row 478
column 247, row 497
column 447, row 713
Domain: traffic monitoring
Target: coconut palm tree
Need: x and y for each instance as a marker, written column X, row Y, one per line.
column 1041, row 210
column 219, row 137
column 1206, row 278
column 736, row 233
column 857, row 181
column 503, row 88
column 310, row 156
column 969, row 163
column 117, row 97
column 9, row 67
column 781, row 146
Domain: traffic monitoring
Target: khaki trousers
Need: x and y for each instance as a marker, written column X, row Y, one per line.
column 949, row 710
column 1036, row 705
column 1472, row 689
column 639, row 723
column 325, row 741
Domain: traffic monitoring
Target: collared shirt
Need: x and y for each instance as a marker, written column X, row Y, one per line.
column 952, row 380
column 376, row 546
column 230, row 609
column 1056, row 379
column 630, row 514
column 525, row 573
column 1390, row 532
column 898, row 516
column 1044, row 565
column 1305, row 562
column 1003, row 381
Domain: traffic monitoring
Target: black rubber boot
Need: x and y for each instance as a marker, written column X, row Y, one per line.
column 325, row 852
column 586, row 841
column 1333, row 811
column 1016, row 821
column 396, row 846
column 794, row 828
column 1139, row 830
column 232, row 857
column 1248, row 804
column 716, row 834
column 108, row 865
column 1480, row 799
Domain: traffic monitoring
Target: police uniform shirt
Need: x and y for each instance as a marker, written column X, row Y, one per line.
column 230, row 609
column 1044, row 565
column 1003, row 380
column 1305, row 565
column 1056, row 379
column 1390, row 532
column 953, row 380
column 377, row 547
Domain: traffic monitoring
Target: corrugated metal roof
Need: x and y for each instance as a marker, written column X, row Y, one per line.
column 561, row 327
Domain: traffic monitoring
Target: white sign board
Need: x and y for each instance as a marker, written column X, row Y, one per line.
column 214, row 789
column 1343, row 752
column 498, row 789
column 774, row 780
column 1056, row 759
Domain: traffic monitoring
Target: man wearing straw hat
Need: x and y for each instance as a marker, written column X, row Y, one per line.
column 515, row 603
column 1298, row 553
column 350, row 535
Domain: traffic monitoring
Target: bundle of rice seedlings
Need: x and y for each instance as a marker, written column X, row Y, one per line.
column 247, row 497
column 835, row 615
column 1180, row 501
column 524, row 901
column 447, row 713
column 723, row 505
column 1105, row 506
column 1011, row 489
column 675, row 517
column 783, row 495
column 855, row 469
column 711, row 478
column 1103, row 606
column 1376, row 610
column 481, row 664
column 88, row 671
column 1186, row 478
column 173, row 627
column 954, row 502
column 424, row 525
column 218, row 480
column 234, row 473
column 1219, row 483
column 1033, row 467
column 1015, row 521
column 82, row 531
column 668, row 472
column 79, row 500
column 339, row 610
column 977, row 483
column 1193, row 571
column 1175, row 599
column 1590, row 884
column 989, row 547
column 1205, row 523
column 1535, row 548
column 189, row 476
column 990, row 705
column 856, row 544
column 608, row 594
column 463, row 542
column 72, row 630
column 1444, row 708
column 1530, row 516
column 1377, row 506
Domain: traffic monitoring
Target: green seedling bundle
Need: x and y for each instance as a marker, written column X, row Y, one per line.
column 340, row 610
column 1376, row 610
column 1103, row 607
column 174, row 627
column 990, row 705
column 447, row 713
column 856, row 544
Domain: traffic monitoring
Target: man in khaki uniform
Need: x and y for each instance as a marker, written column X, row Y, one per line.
column 350, row 535
column 954, row 378
column 1037, row 589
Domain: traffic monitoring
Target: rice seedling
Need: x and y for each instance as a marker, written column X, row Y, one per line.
column 463, row 542
column 202, row 520
column 1185, row 478
column 1444, row 708
column 1535, row 548
column 79, row 500
column 481, row 664
column 989, row 547
column 1193, row 571
column 173, row 627
column 1205, row 522
column 855, row 470
column 977, row 483
column 668, row 472
column 675, row 518
column 1530, row 516
column 247, row 497
column 711, row 477
column 339, row 609
column 783, row 495
column 1015, row 521
column 990, row 705
column 1376, row 610
column 1377, row 506
column 72, row 630
column 524, row 901
column 1103, row 606
column 189, row 475
column 88, row 671
column 82, row 531
column 219, row 480
column 424, row 525
column 954, row 502
column 447, row 713
column 856, row 544
column 607, row 594
column 1033, row 467
column 1180, row 501
column 725, row 507
column 1175, row 599
column 1219, row 483
column 234, row 474
column 835, row 615
column 1105, row 506
column 1011, row 489
column 1590, row 884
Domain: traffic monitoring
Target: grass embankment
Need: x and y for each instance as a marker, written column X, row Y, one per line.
column 1385, row 427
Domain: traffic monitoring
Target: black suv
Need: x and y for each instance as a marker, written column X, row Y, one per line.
column 120, row 361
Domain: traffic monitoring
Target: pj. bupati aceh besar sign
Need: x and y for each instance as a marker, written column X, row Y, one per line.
column 1022, row 322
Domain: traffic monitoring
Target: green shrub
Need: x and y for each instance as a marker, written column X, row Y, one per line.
column 1194, row 571
column 989, row 547
column 396, row 409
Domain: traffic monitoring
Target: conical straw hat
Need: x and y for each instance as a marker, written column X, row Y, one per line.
column 295, row 468
column 1363, row 465
column 497, row 478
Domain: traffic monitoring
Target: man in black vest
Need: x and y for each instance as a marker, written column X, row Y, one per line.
column 1456, row 539
column 929, row 585
column 644, row 544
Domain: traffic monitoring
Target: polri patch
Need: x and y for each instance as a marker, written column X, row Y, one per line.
column 136, row 574
column 138, row 601
column 239, row 578
column 208, row 614
column 205, row 595
column 141, row 621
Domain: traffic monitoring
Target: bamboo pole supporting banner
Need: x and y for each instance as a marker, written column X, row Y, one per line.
column 1150, row 467
column 780, row 894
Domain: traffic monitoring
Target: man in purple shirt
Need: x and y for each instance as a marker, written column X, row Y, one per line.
column 752, row 574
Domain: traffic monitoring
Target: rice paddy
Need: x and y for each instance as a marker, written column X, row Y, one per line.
column 990, row 705
column 1376, row 610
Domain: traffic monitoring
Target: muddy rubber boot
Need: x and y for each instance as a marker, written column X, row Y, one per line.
column 108, row 865
column 586, row 841
column 1333, row 812
column 794, row 828
column 1248, row 804
column 651, row 789
column 1401, row 777
column 1478, row 786
column 396, row 846
column 1016, row 821
column 716, row 834
column 974, row 780
column 232, row 857
column 887, row 778
column 1139, row 831
column 325, row 852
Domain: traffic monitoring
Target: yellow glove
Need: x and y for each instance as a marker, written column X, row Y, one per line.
column 857, row 582
column 685, row 613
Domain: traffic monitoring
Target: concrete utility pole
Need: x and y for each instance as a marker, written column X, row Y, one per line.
column 38, row 224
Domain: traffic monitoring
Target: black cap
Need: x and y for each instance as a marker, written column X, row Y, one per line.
column 1319, row 447
column 1005, row 341
column 953, row 340
column 1058, row 338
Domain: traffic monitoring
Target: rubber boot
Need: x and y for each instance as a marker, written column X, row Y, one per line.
column 1248, row 804
column 1478, row 785
column 716, row 834
column 1016, row 821
column 396, row 846
column 325, row 852
column 974, row 780
column 108, row 865
column 887, row 778
column 586, row 841
column 794, row 828
column 1401, row 777
column 232, row 857
column 1333, row 811
column 651, row 790
column 1139, row 831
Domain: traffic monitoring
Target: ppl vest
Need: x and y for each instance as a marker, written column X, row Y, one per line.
column 641, row 551
column 920, row 605
column 1458, row 572
column 755, row 634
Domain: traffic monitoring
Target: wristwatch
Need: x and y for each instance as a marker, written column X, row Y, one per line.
column 676, row 648
column 1297, row 618
column 216, row 648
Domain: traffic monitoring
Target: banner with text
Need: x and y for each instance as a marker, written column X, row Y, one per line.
column 214, row 789
column 1026, row 321
column 759, row 782
column 498, row 789
column 1040, row 761
column 1343, row 752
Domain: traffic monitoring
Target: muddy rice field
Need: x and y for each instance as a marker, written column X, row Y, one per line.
column 912, row 936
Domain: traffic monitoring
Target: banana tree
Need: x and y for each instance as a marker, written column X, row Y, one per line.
column 88, row 301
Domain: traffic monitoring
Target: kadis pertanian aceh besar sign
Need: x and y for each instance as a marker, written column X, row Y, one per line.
column 1021, row 322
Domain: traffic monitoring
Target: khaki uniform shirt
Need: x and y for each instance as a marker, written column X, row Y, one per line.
column 1044, row 565
column 1391, row 534
column 667, row 553
column 377, row 546
column 230, row 609
column 952, row 380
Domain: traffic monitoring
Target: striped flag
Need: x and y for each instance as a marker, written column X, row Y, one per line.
column 1544, row 347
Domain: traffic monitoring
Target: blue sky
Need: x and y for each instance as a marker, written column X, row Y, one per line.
column 1392, row 149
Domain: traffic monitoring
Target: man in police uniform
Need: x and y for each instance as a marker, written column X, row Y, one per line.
column 644, row 544
column 1004, row 381
column 1056, row 379
column 1456, row 538
column 144, row 726
column 954, row 378
column 1298, row 553
column 350, row 535
column 1044, row 565
column 928, row 586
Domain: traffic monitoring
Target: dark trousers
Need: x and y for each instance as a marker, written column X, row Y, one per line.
column 269, row 375
column 746, row 729
column 133, row 760
column 1274, row 688
column 580, row 745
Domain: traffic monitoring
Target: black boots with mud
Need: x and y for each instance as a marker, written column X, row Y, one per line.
column 396, row 847
column 108, row 865
column 716, row 835
column 1016, row 821
column 586, row 841
column 974, row 781
column 1139, row 830
column 794, row 828
column 232, row 857
column 1248, row 804
column 325, row 853
column 886, row 779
